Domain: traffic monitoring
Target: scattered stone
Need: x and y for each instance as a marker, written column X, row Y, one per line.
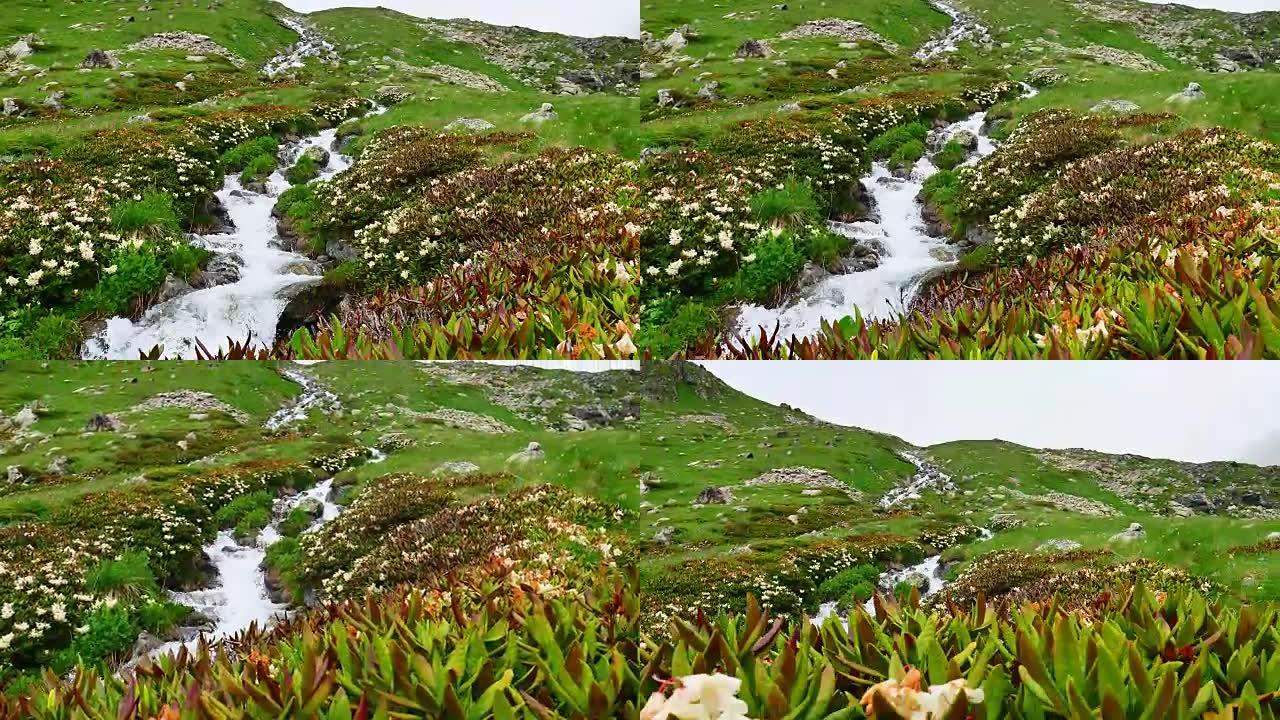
column 675, row 41
column 189, row 400
column 189, row 43
column 464, row 420
column 666, row 98
column 54, row 101
column 1119, row 107
column 456, row 467
column 846, row 30
column 543, row 114
column 1058, row 545
column 709, row 91
column 790, row 107
column 11, row 107
column 469, row 125
column 13, row 474
column 803, row 476
column 531, row 453
column 58, row 466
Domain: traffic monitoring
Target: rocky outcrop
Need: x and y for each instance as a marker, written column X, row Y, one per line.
column 546, row 113
column 532, row 453
column 100, row 60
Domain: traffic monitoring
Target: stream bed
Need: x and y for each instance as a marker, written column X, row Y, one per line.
column 908, row 254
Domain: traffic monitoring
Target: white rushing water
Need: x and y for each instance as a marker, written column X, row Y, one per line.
column 908, row 254
column 930, row 569
column 311, row 44
column 313, row 397
column 926, row 478
column 252, row 304
column 964, row 28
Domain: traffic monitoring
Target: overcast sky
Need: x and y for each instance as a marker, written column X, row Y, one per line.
column 1195, row 411
column 585, row 18
column 1245, row 6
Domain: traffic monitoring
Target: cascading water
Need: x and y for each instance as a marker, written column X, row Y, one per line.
column 927, row 574
column 252, row 304
column 908, row 254
column 239, row 596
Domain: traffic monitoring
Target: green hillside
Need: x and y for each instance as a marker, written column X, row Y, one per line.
column 777, row 111
column 711, row 496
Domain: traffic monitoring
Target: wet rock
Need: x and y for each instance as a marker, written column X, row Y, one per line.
column 546, row 113
column 275, row 586
column 532, row 453
column 714, row 496
column 222, row 270
column 753, row 49
column 100, row 60
column 340, row 251
column 1118, row 107
column 469, row 125
column 146, row 644
column 220, row 216
column 456, row 467
column 102, row 422
column 966, row 139
column 307, row 303
column 304, row 267
column 174, row 287
column 1132, row 533
column 256, row 186
column 318, row 154
column 1058, row 545
column 312, row 507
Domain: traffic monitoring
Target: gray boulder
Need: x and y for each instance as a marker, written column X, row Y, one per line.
column 753, row 49
column 11, row 107
column 666, row 98
column 1058, row 545
column 532, row 453
column 675, row 41
column 14, row 474
column 312, row 507
column 58, row 466
column 318, row 154
column 1191, row 94
column 543, row 114
column 173, row 288
column 222, row 270
column 1130, row 534
column 54, row 101
column 100, row 60
column 102, row 423
column 714, row 496
column 709, row 91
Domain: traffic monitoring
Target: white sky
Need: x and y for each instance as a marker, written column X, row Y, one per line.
column 1244, row 6
column 1194, row 411
column 585, row 18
